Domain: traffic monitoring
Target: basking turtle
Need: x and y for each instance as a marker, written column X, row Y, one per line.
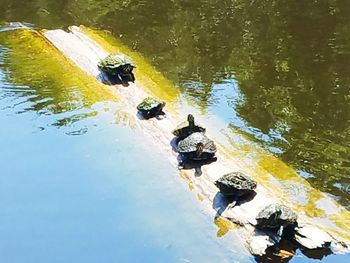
column 235, row 184
column 118, row 65
column 275, row 216
column 197, row 147
column 150, row 107
column 188, row 127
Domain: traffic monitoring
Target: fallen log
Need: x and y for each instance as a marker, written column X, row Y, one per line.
column 85, row 47
column 320, row 215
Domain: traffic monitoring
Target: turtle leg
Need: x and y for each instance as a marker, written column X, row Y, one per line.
column 181, row 163
column 132, row 77
column 232, row 202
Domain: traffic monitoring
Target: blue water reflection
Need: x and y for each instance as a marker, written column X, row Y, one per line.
column 96, row 197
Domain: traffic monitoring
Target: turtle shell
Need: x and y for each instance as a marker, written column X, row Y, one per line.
column 115, row 63
column 150, row 107
column 189, row 144
column 183, row 129
column 235, row 184
column 276, row 215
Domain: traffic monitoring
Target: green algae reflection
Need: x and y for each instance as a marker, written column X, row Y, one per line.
column 146, row 75
column 50, row 83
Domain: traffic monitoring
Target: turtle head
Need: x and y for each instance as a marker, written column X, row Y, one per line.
column 190, row 120
column 200, row 148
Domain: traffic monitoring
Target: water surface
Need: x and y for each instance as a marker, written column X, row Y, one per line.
column 288, row 62
column 275, row 71
column 74, row 189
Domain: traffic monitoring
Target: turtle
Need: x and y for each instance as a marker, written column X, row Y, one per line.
column 188, row 127
column 197, row 147
column 276, row 216
column 235, row 184
column 118, row 65
column 151, row 107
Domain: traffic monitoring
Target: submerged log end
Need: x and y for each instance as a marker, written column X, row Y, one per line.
column 311, row 237
column 258, row 244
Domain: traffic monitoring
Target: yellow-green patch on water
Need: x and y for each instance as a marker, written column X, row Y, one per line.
column 224, row 226
column 146, row 75
column 34, row 61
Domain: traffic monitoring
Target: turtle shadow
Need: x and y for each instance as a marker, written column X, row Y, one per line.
column 196, row 165
column 222, row 202
column 173, row 143
column 159, row 116
column 111, row 80
column 245, row 198
column 318, row 253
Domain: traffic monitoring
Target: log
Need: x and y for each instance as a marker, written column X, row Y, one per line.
column 312, row 237
column 85, row 53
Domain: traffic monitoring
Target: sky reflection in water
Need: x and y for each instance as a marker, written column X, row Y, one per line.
column 286, row 87
column 96, row 197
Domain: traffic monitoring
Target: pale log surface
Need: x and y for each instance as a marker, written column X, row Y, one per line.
column 86, row 53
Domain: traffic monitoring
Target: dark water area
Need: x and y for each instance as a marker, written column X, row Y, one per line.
column 278, row 71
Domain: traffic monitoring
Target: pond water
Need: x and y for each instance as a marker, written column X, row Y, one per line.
column 73, row 188
column 288, row 62
column 276, row 71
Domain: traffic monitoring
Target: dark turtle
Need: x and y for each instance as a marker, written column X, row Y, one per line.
column 118, row 65
column 150, row 107
column 197, row 147
column 275, row 216
column 235, row 184
column 188, row 127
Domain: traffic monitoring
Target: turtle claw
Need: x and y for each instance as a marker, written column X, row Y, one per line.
column 120, row 78
column 232, row 205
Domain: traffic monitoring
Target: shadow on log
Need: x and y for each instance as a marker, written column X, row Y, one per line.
column 111, row 80
column 185, row 164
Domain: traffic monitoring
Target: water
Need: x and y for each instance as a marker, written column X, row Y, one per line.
column 79, row 191
column 289, row 63
column 276, row 71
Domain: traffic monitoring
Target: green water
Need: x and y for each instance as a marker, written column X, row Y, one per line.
column 278, row 71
